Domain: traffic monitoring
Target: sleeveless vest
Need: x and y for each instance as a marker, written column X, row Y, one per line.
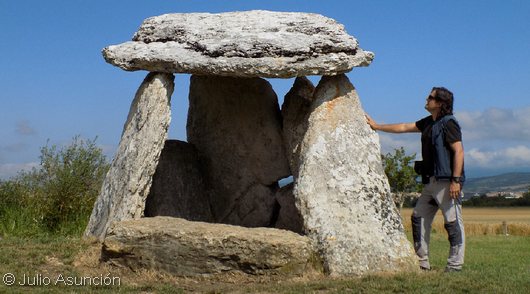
column 442, row 156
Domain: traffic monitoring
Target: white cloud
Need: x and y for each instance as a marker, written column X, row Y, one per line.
column 8, row 170
column 493, row 139
column 509, row 157
column 495, row 124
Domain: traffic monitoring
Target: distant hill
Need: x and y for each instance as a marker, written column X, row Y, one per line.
column 510, row 182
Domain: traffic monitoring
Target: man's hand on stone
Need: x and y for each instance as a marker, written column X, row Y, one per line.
column 370, row 121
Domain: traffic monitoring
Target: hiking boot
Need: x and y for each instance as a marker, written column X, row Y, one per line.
column 425, row 265
column 425, row 269
column 452, row 269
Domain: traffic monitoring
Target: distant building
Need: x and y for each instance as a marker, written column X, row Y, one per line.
column 507, row 195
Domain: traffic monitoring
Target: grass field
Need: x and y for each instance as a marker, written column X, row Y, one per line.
column 494, row 264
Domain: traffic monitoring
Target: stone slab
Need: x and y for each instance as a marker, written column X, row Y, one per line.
column 253, row 43
column 129, row 178
column 178, row 185
column 296, row 109
column 342, row 191
column 289, row 217
column 185, row 248
column 235, row 124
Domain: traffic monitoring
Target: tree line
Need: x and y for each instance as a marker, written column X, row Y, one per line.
column 498, row 201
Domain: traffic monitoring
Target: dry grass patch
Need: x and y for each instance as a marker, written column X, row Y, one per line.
column 484, row 221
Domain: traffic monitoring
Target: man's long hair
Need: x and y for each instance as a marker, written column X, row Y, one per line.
column 446, row 98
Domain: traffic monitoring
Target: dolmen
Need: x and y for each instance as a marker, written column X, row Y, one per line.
column 213, row 204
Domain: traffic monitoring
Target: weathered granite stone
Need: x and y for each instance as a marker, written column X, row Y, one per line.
column 185, row 248
column 235, row 124
column 127, row 183
column 289, row 217
column 295, row 112
column 178, row 185
column 244, row 44
column 342, row 191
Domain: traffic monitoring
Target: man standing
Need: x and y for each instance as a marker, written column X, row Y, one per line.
column 442, row 171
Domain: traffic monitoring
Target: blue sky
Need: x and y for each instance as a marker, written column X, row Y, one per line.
column 54, row 83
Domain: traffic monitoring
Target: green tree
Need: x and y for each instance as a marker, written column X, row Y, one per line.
column 399, row 168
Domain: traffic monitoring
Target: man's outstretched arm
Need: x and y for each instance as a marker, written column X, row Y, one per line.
column 392, row 128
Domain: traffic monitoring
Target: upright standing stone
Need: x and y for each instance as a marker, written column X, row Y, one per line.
column 295, row 112
column 235, row 124
column 178, row 185
column 342, row 191
column 127, row 183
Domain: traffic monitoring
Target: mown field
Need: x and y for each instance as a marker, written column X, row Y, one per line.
column 495, row 263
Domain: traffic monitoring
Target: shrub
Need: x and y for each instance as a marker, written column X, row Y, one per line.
column 58, row 195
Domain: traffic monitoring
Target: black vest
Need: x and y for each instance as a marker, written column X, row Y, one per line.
column 442, row 156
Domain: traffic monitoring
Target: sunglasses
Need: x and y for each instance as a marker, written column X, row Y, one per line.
column 431, row 97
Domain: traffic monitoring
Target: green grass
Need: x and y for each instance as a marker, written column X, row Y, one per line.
column 494, row 264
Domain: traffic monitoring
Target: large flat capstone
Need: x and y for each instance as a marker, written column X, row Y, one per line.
column 187, row 248
column 246, row 44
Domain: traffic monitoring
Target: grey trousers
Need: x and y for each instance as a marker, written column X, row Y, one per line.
column 436, row 195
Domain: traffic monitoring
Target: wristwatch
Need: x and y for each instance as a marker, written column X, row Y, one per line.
column 456, row 180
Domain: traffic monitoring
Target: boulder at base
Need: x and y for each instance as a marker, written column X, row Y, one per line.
column 186, row 248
